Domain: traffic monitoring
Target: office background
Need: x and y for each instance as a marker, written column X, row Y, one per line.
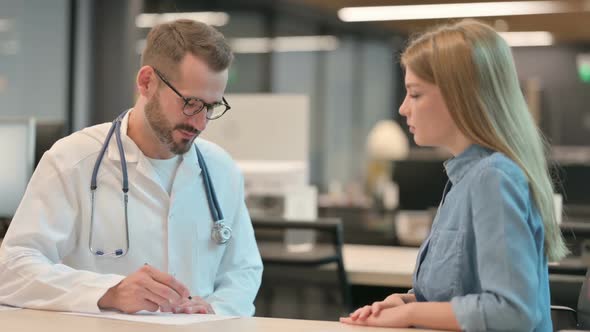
column 72, row 63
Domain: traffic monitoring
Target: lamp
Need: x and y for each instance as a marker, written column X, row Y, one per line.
column 386, row 142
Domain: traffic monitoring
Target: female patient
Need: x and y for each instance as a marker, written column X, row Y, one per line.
column 484, row 265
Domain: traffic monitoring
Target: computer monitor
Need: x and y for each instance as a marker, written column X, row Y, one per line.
column 572, row 183
column 17, row 148
column 421, row 183
column 47, row 133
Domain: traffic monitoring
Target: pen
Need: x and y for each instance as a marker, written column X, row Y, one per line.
column 174, row 275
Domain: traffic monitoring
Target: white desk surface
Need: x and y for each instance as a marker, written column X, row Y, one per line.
column 379, row 265
column 46, row 321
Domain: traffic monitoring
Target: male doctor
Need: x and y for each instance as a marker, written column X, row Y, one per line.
column 69, row 250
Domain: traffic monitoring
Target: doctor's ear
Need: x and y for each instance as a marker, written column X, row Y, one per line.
column 147, row 82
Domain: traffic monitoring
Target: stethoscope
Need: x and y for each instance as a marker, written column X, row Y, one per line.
column 221, row 233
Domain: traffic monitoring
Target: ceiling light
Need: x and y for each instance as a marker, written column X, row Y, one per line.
column 304, row 44
column 212, row 18
column 250, row 45
column 277, row 44
column 452, row 10
column 284, row 44
column 527, row 38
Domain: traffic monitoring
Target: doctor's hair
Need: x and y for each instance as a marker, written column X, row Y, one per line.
column 473, row 67
column 169, row 42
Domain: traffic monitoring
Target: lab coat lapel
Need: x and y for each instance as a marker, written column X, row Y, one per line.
column 134, row 157
column 132, row 151
column 187, row 203
column 188, row 174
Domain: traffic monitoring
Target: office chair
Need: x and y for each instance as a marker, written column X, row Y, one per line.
column 284, row 269
column 565, row 318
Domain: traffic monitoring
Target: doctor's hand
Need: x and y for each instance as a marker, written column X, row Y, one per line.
column 146, row 289
column 374, row 309
column 194, row 305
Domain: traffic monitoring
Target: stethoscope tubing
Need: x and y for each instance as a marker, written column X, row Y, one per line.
column 212, row 201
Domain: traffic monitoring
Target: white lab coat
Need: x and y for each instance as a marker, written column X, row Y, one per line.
column 45, row 261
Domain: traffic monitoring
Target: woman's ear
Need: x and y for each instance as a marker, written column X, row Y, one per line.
column 146, row 81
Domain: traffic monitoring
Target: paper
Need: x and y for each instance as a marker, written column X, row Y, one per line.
column 8, row 308
column 165, row 318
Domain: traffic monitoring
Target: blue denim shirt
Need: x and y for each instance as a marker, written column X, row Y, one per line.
column 485, row 252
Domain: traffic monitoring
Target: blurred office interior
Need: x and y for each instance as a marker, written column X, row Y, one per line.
column 72, row 63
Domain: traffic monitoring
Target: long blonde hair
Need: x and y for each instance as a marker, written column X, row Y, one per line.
column 474, row 69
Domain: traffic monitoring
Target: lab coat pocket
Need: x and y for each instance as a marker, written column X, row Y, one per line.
column 441, row 278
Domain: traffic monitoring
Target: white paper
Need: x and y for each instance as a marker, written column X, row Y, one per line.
column 8, row 308
column 165, row 318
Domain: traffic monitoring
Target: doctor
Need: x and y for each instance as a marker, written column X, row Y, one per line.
column 141, row 214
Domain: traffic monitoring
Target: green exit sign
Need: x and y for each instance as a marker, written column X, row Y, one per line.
column 583, row 62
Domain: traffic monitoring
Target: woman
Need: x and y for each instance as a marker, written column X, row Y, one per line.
column 484, row 265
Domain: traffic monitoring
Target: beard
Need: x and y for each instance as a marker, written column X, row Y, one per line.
column 164, row 129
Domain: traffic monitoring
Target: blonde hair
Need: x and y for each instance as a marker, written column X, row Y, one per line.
column 474, row 69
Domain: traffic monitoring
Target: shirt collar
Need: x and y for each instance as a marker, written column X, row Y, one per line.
column 458, row 166
column 131, row 149
column 133, row 153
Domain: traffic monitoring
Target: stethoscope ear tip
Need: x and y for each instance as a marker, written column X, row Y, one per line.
column 118, row 252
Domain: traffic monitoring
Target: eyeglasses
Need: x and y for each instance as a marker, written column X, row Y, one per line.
column 194, row 105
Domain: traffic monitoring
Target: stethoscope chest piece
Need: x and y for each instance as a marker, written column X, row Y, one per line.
column 221, row 233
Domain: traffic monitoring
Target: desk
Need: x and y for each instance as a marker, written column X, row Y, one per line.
column 35, row 321
column 391, row 266
column 379, row 265
column 365, row 265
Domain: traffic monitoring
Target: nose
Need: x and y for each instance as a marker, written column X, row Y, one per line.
column 199, row 121
column 404, row 109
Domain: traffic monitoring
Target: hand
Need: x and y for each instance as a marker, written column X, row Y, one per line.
column 194, row 305
column 391, row 301
column 397, row 317
column 146, row 289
